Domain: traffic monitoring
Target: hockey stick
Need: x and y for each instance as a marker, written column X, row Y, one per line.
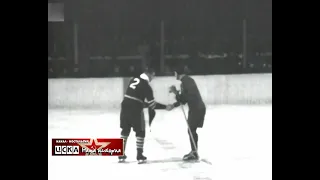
column 192, row 138
column 174, row 90
column 190, row 132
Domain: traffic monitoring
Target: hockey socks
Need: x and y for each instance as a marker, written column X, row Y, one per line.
column 194, row 135
column 125, row 138
column 194, row 147
column 140, row 143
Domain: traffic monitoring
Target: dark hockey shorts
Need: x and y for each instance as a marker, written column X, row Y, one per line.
column 196, row 118
column 131, row 117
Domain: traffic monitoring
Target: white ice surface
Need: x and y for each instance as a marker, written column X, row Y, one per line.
column 237, row 140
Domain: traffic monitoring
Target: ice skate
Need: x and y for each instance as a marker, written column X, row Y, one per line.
column 192, row 156
column 122, row 158
column 141, row 158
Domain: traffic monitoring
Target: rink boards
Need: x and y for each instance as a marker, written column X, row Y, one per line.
column 108, row 92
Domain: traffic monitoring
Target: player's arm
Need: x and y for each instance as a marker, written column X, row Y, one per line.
column 181, row 96
column 151, row 103
column 189, row 91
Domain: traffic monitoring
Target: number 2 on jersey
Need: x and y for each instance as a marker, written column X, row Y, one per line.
column 135, row 83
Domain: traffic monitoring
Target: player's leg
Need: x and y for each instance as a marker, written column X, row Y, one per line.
column 139, row 128
column 125, row 132
column 195, row 120
column 193, row 138
column 194, row 134
column 140, row 135
column 125, row 126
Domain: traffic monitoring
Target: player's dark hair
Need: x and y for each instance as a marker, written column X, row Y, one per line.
column 149, row 70
column 180, row 69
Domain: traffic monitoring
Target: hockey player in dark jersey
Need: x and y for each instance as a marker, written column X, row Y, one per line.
column 190, row 94
column 132, row 116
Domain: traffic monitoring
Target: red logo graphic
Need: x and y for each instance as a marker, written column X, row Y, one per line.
column 87, row 147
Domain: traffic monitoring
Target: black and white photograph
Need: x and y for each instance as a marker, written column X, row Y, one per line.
column 160, row 90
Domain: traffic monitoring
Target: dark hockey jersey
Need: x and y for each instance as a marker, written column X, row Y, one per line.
column 189, row 94
column 140, row 90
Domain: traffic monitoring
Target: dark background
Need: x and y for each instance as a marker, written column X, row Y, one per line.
column 207, row 36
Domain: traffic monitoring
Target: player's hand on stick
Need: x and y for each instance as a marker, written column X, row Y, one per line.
column 169, row 107
column 173, row 89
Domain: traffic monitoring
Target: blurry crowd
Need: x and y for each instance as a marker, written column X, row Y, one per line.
column 127, row 57
column 121, row 38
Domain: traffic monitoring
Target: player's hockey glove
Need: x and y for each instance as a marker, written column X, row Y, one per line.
column 173, row 89
column 179, row 97
column 160, row 106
